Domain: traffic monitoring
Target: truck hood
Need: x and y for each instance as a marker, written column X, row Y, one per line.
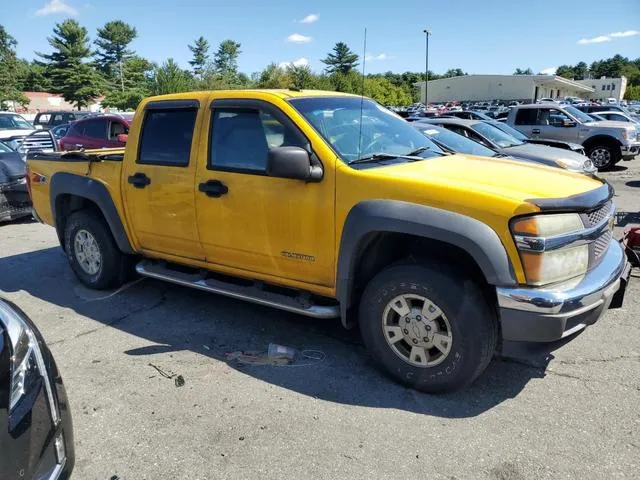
column 11, row 167
column 6, row 134
column 548, row 155
column 612, row 124
column 518, row 181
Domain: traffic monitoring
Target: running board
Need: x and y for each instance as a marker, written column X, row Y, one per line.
column 252, row 293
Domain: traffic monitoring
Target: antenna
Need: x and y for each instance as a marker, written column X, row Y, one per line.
column 364, row 61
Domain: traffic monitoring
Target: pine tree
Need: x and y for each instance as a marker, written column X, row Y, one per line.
column 200, row 51
column 10, row 70
column 71, row 75
column 342, row 60
column 225, row 60
column 113, row 42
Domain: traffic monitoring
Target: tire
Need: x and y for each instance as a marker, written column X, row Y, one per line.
column 469, row 319
column 604, row 155
column 98, row 263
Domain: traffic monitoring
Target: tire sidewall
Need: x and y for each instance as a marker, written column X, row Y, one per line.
column 106, row 275
column 466, row 320
column 613, row 158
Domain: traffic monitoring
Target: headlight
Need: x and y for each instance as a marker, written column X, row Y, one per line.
column 28, row 369
column 543, row 265
column 15, row 143
column 630, row 133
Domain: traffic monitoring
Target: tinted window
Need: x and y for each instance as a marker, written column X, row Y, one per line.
column 117, row 128
column 241, row 138
column 526, row 116
column 166, row 137
column 42, row 119
column 58, row 119
column 93, row 129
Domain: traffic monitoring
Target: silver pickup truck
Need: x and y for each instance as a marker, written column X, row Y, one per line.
column 606, row 143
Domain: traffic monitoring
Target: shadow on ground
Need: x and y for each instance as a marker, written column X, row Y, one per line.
column 625, row 218
column 177, row 318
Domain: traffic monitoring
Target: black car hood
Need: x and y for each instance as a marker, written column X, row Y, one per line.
column 12, row 167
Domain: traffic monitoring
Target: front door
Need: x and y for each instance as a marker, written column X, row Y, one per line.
column 557, row 125
column 251, row 221
column 159, row 185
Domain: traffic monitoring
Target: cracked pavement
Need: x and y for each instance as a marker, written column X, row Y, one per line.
column 563, row 411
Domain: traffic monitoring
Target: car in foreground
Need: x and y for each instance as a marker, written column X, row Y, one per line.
column 329, row 205
column 21, row 136
column 14, row 197
column 605, row 143
column 493, row 137
column 36, row 431
column 103, row 131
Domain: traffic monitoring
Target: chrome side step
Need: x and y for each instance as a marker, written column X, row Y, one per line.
column 251, row 293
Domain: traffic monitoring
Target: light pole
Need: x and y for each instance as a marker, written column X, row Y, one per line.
column 426, row 67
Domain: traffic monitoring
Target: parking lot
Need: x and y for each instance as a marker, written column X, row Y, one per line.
column 565, row 411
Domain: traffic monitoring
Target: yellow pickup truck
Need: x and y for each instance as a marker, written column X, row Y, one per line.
column 329, row 205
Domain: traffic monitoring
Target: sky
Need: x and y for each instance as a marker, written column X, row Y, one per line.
column 488, row 36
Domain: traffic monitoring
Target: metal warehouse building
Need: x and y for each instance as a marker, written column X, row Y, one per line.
column 527, row 88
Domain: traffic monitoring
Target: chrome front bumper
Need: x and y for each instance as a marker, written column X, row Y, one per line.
column 630, row 151
column 549, row 314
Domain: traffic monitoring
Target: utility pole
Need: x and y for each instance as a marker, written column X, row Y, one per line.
column 426, row 68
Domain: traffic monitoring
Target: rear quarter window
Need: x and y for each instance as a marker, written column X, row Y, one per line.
column 526, row 116
column 166, row 137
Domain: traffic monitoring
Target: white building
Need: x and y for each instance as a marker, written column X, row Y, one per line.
column 604, row 87
column 527, row 88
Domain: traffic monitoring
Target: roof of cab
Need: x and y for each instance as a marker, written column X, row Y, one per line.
column 280, row 93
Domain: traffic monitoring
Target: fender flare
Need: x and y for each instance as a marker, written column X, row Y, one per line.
column 89, row 188
column 474, row 237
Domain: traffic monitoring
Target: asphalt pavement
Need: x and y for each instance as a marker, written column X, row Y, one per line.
column 154, row 396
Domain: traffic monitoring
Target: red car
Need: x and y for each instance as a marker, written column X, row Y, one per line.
column 104, row 131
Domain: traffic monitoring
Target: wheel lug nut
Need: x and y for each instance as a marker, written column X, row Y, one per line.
column 415, row 341
column 428, row 327
column 425, row 339
column 406, row 332
column 418, row 317
column 408, row 320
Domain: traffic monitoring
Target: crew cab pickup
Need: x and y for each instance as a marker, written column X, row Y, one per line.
column 330, row 205
column 605, row 143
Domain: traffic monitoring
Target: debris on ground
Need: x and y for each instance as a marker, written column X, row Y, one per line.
column 276, row 355
column 179, row 381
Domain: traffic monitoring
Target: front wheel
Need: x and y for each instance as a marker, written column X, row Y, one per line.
column 604, row 156
column 427, row 327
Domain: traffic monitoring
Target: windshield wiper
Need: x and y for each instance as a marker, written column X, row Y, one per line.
column 383, row 156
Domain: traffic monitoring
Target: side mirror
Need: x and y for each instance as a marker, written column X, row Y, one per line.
column 122, row 137
column 567, row 123
column 289, row 162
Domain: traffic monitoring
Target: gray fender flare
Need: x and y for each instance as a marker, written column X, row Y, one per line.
column 469, row 234
column 68, row 183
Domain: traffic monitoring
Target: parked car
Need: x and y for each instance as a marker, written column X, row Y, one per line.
column 104, row 131
column 60, row 131
column 332, row 206
column 469, row 115
column 451, row 142
column 48, row 120
column 615, row 116
column 14, row 197
column 21, row 136
column 574, row 147
column 546, row 100
column 494, row 138
column 608, row 108
column 605, row 143
column 36, row 431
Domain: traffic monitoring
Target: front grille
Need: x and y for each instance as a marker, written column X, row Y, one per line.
column 37, row 142
column 595, row 217
column 601, row 244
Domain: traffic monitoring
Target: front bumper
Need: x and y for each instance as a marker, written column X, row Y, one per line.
column 14, row 202
column 548, row 314
column 630, row 151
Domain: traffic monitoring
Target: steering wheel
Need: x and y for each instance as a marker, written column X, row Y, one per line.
column 369, row 148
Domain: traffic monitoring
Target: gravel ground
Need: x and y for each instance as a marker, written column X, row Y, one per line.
column 564, row 411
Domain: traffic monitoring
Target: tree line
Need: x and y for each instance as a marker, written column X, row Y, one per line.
column 83, row 70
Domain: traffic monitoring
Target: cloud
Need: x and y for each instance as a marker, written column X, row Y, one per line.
column 301, row 62
column 312, row 18
column 297, row 38
column 628, row 33
column 598, row 39
column 380, row 57
column 549, row 71
column 56, row 6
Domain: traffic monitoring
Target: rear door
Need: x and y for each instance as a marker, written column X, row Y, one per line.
column 525, row 122
column 117, row 127
column 158, row 180
column 92, row 133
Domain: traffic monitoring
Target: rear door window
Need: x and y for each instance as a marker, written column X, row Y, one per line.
column 95, row 129
column 166, row 137
column 526, row 116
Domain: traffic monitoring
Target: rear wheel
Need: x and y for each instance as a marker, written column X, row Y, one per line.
column 92, row 251
column 428, row 327
column 604, row 156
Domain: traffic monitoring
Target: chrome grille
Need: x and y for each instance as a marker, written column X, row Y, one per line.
column 597, row 216
column 601, row 244
column 37, row 142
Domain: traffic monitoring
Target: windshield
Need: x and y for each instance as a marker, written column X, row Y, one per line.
column 495, row 135
column 337, row 119
column 14, row 122
column 579, row 114
column 510, row 131
column 453, row 141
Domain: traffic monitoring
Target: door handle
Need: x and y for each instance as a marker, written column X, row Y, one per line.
column 536, row 131
column 139, row 180
column 213, row 188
